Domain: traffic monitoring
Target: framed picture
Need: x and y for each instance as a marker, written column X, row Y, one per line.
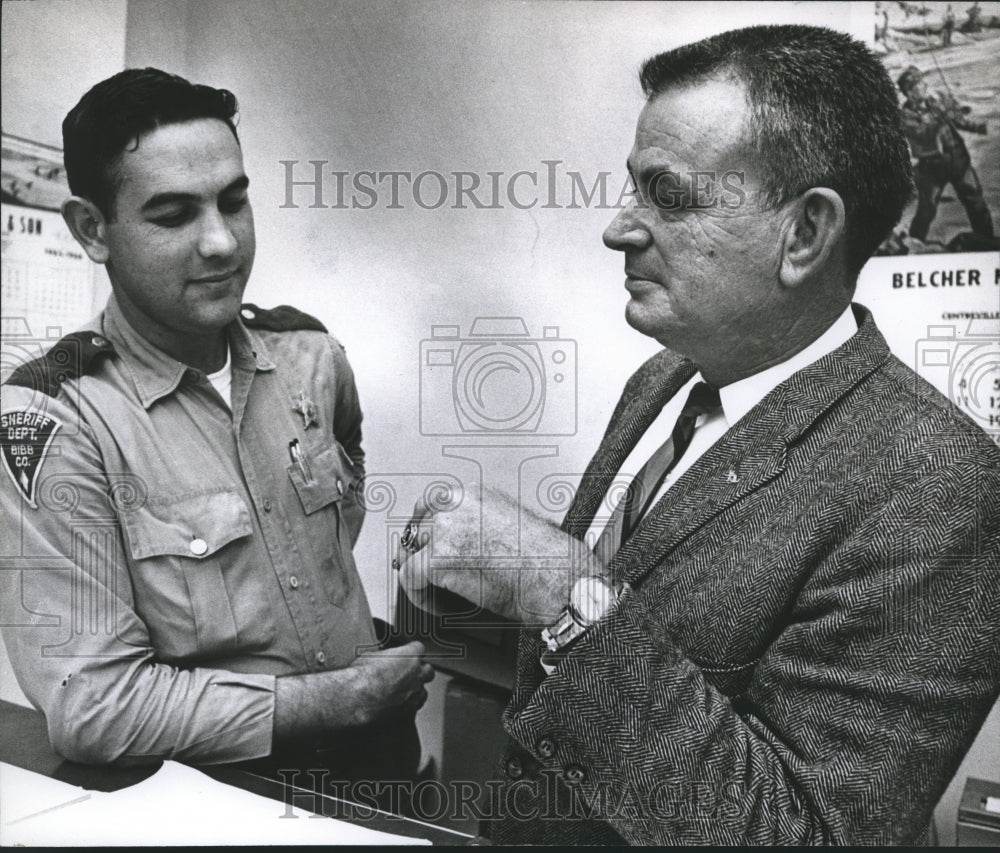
column 943, row 58
column 33, row 174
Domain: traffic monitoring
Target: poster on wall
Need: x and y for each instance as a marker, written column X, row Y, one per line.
column 941, row 316
column 943, row 59
column 32, row 175
column 939, row 305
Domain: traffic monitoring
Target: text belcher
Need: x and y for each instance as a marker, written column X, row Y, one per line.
column 937, row 278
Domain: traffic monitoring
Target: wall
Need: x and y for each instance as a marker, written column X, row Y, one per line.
column 48, row 48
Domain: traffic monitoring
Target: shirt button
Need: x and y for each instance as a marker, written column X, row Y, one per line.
column 198, row 547
column 191, row 375
column 320, row 658
column 514, row 768
column 267, row 505
column 546, row 747
column 247, row 314
column 340, row 486
column 574, row 774
column 293, row 582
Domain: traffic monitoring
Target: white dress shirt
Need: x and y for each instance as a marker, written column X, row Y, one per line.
column 737, row 398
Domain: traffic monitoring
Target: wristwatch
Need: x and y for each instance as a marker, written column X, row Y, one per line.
column 590, row 598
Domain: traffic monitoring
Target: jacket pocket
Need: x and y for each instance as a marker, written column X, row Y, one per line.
column 731, row 680
column 191, row 578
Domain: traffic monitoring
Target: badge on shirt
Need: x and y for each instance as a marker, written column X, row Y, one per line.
column 25, row 438
column 307, row 408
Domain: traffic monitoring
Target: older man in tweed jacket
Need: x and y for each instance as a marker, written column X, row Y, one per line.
column 788, row 631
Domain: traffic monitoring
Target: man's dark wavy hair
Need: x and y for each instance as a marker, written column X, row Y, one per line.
column 823, row 113
column 115, row 113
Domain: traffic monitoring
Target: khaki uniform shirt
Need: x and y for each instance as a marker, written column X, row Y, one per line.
column 166, row 556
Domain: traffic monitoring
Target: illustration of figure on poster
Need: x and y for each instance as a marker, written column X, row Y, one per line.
column 949, row 85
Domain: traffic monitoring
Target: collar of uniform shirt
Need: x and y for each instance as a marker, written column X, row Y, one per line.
column 737, row 399
column 154, row 372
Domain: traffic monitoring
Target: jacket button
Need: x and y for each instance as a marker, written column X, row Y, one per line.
column 574, row 774
column 514, row 768
column 198, row 547
column 247, row 314
column 546, row 747
column 99, row 341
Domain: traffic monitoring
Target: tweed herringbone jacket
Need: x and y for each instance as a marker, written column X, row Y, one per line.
column 812, row 636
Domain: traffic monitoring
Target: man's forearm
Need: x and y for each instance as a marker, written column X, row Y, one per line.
column 321, row 702
column 309, row 705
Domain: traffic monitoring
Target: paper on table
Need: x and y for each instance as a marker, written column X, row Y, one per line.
column 24, row 793
column 180, row 805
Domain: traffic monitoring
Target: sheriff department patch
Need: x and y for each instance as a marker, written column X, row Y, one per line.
column 24, row 439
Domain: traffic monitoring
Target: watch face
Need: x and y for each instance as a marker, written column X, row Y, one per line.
column 591, row 598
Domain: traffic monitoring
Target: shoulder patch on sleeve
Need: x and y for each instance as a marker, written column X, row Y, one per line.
column 284, row 318
column 25, row 437
column 73, row 356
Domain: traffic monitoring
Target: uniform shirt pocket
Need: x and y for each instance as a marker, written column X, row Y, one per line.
column 193, row 584
column 320, row 479
column 194, row 526
column 325, row 484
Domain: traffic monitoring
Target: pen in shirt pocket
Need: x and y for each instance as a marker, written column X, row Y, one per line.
column 299, row 459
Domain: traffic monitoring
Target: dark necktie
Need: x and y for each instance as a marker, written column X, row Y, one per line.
column 702, row 400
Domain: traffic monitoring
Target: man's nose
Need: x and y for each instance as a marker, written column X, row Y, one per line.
column 625, row 231
column 217, row 238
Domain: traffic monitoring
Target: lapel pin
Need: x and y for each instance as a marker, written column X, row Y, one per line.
column 307, row 408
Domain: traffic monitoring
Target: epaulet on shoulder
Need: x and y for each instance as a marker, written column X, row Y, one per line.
column 73, row 356
column 284, row 318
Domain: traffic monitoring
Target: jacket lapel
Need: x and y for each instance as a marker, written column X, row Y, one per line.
column 644, row 396
column 750, row 454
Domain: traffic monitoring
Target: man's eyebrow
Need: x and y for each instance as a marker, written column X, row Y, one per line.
column 160, row 199
column 646, row 175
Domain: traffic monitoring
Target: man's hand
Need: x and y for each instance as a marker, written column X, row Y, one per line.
column 375, row 683
column 495, row 554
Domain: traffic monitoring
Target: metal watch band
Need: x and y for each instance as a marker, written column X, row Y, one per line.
column 566, row 629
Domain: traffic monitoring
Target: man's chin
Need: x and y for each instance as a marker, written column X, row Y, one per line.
column 638, row 318
column 663, row 332
column 216, row 314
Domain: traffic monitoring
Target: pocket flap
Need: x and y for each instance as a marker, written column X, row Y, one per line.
column 187, row 525
column 328, row 478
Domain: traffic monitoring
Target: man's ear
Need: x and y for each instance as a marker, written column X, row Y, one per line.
column 820, row 221
column 88, row 226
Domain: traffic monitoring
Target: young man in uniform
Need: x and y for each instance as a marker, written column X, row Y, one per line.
column 184, row 472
